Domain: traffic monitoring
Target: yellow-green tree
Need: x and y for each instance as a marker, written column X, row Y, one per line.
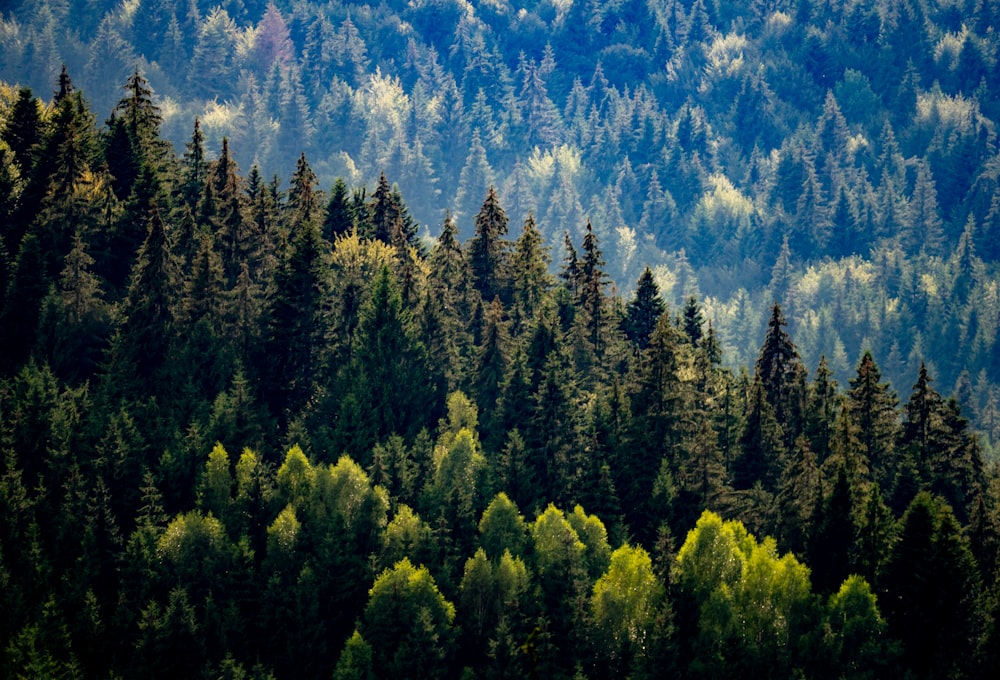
column 744, row 609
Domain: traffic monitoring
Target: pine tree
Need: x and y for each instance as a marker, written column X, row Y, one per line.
column 872, row 406
column 530, row 280
column 139, row 349
column 294, row 326
column 339, row 219
column 644, row 311
column 782, row 377
column 488, row 251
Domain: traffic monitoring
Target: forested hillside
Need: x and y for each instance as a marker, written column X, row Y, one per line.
column 450, row 340
column 695, row 136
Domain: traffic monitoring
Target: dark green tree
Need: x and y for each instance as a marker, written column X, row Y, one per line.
column 932, row 591
column 644, row 311
column 530, row 280
column 782, row 377
column 872, row 405
column 339, row 217
column 294, row 328
column 489, row 250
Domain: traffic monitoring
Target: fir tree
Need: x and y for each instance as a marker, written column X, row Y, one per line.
column 644, row 311
column 489, row 250
column 339, row 218
column 782, row 377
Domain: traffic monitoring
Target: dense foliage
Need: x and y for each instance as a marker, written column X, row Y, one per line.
column 696, row 137
column 255, row 431
column 258, row 429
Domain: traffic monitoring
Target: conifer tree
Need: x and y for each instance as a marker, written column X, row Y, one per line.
column 782, row 377
column 822, row 405
column 932, row 590
column 644, row 311
column 22, row 129
column 530, row 280
column 294, row 324
column 339, row 218
column 303, row 201
column 761, row 443
column 140, row 346
column 831, row 544
column 591, row 299
column 75, row 322
column 488, row 250
column 872, row 406
column 491, row 363
column 799, row 492
column 134, row 135
column 693, row 321
column 194, row 168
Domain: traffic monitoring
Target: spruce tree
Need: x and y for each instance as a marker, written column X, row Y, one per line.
column 530, row 280
column 592, row 300
column 194, row 168
column 932, row 590
column 339, row 217
column 872, row 405
column 782, row 377
column 294, row 327
column 761, row 443
column 489, row 251
column 644, row 311
column 140, row 346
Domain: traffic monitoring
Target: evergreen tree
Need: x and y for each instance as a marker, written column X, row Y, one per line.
column 823, row 403
column 194, row 168
column 932, row 591
column 488, row 250
column 303, row 201
column 294, row 322
column 530, row 280
column 139, row 348
column 339, row 219
column 872, row 406
column 761, row 443
column 592, row 301
column 782, row 377
column 644, row 311
column 831, row 544
column 491, row 363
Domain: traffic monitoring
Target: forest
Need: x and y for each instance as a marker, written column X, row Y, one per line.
column 432, row 340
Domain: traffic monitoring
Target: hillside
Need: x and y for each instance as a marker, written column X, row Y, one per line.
column 695, row 137
column 438, row 339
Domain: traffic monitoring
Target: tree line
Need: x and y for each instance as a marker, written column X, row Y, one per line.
column 251, row 431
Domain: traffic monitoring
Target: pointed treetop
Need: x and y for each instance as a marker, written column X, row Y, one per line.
column 66, row 87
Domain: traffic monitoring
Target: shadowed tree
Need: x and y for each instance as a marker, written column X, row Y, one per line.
column 488, row 250
column 644, row 311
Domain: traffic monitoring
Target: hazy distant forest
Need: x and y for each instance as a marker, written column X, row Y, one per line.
column 641, row 338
